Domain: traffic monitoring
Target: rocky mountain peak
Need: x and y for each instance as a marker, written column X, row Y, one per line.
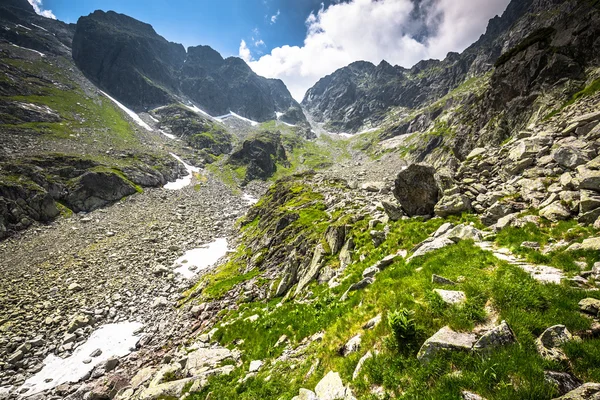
column 19, row 4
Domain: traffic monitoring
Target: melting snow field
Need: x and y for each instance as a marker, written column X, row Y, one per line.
column 168, row 135
column 250, row 199
column 115, row 340
column 201, row 258
column 186, row 180
column 133, row 115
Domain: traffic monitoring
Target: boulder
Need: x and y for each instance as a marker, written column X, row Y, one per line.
column 499, row 336
column 451, row 296
column 417, row 190
column 441, row 280
column 335, row 236
column 555, row 212
column 331, row 387
column 352, row 346
column 360, row 363
column 564, row 382
column 312, row 271
column 445, row 340
column 393, row 211
column 569, row 157
column 549, row 342
column 587, row 391
column 589, row 179
column 590, row 306
column 455, row 204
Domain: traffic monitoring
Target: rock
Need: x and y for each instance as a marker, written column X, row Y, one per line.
column 306, row 394
column 417, row 190
column 496, row 337
column 426, row 247
column 374, row 187
column 587, row 391
column 370, row 272
column 352, row 346
column 312, row 271
column 464, row 232
column 335, row 237
column 476, row 152
column 165, row 390
column 452, row 205
column 495, row 212
column 445, row 340
column 160, row 302
column 589, row 201
column 345, row 256
column 373, row 322
column 569, row 157
column 111, row 364
column 555, row 212
column 589, row 179
column 466, row 395
column 549, row 342
column 393, row 211
column 96, row 353
column 207, row 358
column 563, row 381
column 587, row 244
column 451, row 296
column 260, row 153
column 441, row 280
column 331, row 387
column 75, row 287
column 159, row 270
column 93, row 190
column 590, row 306
column 255, row 365
column 80, row 321
column 360, row 363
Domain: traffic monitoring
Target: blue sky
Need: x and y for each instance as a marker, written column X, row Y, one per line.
column 219, row 24
column 301, row 41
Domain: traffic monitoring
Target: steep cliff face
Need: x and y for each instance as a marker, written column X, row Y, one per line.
column 359, row 95
column 127, row 58
column 130, row 61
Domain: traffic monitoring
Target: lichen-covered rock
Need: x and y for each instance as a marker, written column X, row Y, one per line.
column 555, row 212
column 587, row 391
column 549, row 342
column 445, row 340
column 499, row 336
column 590, row 305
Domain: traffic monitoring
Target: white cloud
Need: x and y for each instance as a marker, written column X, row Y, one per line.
column 374, row 30
column 39, row 9
column 274, row 17
column 244, row 52
column 259, row 42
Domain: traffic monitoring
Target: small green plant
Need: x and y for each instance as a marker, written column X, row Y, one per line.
column 402, row 325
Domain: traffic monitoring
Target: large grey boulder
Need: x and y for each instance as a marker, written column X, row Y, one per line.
column 564, row 382
column 549, row 342
column 445, row 340
column 555, row 212
column 93, row 190
column 417, row 190
column 499, row 336
column 569, row 157
column 331, row 387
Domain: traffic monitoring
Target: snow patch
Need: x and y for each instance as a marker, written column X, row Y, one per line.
column 168, row 135
column 37, row 26
column 278, row 114
column 250, row 199
column 115, row 340
column 153, row 119
column 24, row 27
column 231, row 114
column 198, row 111
column 201, row 258
column 186, row 180
column 133, row 115
column 25, row 48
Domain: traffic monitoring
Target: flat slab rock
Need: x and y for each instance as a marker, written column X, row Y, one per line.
column 445, row 340
column 587, row 391
column 451, row 296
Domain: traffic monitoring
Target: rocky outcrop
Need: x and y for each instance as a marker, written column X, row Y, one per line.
column 260, row 155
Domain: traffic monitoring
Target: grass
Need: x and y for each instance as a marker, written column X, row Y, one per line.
column 545, row 234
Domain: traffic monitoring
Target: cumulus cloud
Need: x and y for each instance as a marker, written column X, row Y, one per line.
column 274, row 17
column 402, row 32
column 244, row 52
column 39, row 9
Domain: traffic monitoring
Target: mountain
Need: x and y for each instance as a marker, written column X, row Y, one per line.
column 130, row 61
column 359, row 95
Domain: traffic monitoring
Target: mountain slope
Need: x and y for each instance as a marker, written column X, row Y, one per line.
column 129, row 60
column 360, row 94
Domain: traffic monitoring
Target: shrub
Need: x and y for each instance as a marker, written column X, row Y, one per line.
column 403, row 326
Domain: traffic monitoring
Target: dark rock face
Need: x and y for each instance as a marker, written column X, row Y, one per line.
column 130, row 61
column 93, row 190
column 260, row 155
column 363, row 92
column 21, row 205
column 417, row 190
column 127, row 58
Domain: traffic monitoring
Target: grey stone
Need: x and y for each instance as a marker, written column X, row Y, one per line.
column 445, row 340
column 499, row 336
